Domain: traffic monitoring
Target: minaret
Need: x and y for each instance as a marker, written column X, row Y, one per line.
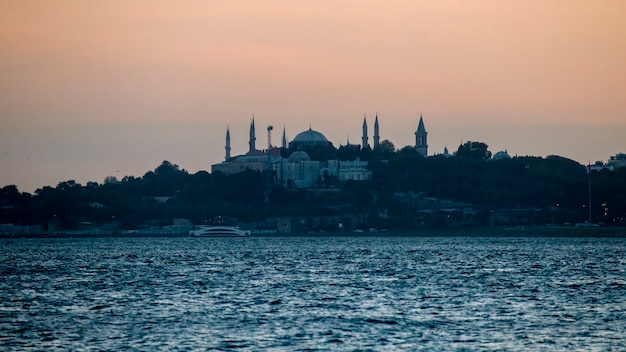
column 252, row 136
column 284, row 144
column 376, row 133
column 364, row 144
column 227, row 143
column 421, row 142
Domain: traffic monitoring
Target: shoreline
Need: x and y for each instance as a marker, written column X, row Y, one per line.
column 531, row 231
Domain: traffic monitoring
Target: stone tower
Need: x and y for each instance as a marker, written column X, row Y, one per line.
column 376, row 133
column 227, row 143
column 252, row 136
column 421, row 140
column 364, row 144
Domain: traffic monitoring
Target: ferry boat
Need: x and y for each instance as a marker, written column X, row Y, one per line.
column 219, row 231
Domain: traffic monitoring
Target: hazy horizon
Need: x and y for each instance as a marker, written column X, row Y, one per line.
column 92, row 89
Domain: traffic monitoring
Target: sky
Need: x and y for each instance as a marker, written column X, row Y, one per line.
column 90, row 89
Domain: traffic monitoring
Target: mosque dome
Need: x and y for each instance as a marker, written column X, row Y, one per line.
column 501, row 155
column 309, row 138
column 299, row 156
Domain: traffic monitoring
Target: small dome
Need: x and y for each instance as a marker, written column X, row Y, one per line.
column 310, row 137
column 299, row 156
column 501, row 155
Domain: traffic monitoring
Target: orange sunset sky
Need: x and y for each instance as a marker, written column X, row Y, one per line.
column 96, row 88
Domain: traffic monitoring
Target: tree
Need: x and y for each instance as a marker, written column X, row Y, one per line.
column 387, row 147
column 348, row 152
column 167, row 168
column 110, row 180
column 9, row 195
column 474, row 150
column 385, row 151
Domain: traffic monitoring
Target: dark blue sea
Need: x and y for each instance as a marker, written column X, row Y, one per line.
column 313, row 294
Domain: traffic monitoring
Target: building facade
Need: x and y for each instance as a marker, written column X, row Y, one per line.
column 298, row 171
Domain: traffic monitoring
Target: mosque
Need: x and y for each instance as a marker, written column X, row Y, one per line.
column 298, row 171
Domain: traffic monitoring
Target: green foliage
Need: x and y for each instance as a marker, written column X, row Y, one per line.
column 473, row 150
column 385, row 150
column 555, row 188
column 348, row 152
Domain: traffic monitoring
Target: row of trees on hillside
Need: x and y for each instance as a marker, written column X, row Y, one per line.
column 553, row 184
column 385, row 151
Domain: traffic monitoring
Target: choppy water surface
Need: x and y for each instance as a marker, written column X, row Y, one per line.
column 313, row 294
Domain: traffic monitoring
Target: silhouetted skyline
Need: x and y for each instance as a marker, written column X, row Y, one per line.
column 90, row 89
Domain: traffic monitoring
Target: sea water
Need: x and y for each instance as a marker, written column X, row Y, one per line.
column 313, row 293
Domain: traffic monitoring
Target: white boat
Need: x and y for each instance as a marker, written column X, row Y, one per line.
column 219, row 231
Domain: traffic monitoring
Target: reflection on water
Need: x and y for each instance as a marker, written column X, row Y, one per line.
column 313, row 293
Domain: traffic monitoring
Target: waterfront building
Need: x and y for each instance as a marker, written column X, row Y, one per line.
column 353, row 170
column 618, row 160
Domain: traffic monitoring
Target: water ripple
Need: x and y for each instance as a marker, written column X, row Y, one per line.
column 313, row 294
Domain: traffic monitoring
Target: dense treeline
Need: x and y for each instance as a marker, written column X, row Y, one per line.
column 516, row 182
column 555, row 187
